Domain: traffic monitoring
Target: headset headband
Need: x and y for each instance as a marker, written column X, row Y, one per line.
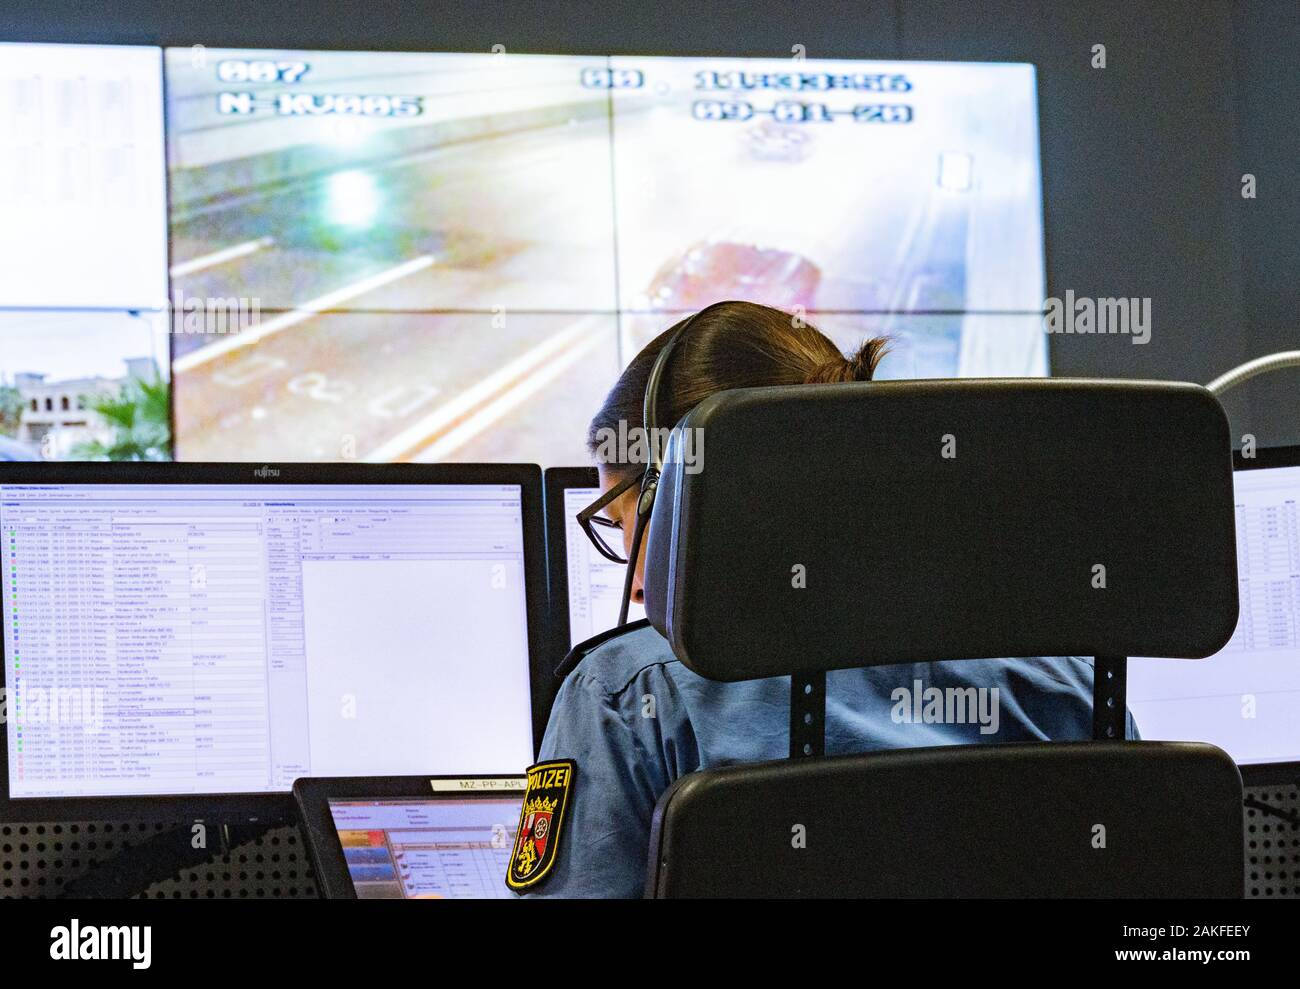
column 650, row 480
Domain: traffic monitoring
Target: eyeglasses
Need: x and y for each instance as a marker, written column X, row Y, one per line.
column 595, row 524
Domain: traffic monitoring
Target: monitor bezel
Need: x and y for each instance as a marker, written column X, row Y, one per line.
column 1268, row 773
column 278, row 808
column 312, row 796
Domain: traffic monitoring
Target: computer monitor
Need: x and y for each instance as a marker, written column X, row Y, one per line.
column 586, row 588
column 411, row 837
column 1246, row 698
column 193, row 638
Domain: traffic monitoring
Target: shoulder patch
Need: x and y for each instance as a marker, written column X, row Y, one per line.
column 541, row 821
column 579, row 652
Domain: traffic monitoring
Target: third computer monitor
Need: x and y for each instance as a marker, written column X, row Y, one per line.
column 586, row 588
column 1246, row 698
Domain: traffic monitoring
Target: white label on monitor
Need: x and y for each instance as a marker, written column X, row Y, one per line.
column 485, row 783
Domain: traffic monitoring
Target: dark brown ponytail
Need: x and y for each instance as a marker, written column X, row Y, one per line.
column 860, row 367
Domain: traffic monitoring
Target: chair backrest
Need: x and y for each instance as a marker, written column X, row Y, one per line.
column 863, row 524
column 837, row 526
column 1070, row 819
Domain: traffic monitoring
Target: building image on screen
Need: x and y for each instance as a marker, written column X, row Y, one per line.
column 427, row 849
column 194, row 639
column 1246, row 698
column 595, row 583
column 450, row 257
column 84, row 385
column 83, row 254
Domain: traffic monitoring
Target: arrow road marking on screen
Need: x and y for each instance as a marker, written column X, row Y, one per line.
column 304, row 312
column 452, row 425
column 220, row 257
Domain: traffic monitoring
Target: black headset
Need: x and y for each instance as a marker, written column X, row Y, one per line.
column 655, row 467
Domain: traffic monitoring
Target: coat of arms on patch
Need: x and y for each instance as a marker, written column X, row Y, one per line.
column 540, row 819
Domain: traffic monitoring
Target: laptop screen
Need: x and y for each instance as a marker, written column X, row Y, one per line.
column 428, row 848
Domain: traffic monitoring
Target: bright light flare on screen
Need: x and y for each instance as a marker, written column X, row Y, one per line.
column 352, row 200
column 956, row 170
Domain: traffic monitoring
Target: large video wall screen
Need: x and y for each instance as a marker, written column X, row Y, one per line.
column 407, row 256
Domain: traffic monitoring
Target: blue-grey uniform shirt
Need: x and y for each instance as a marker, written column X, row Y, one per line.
column 634, row 719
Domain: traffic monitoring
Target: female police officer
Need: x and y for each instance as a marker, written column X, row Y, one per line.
column 630, row 719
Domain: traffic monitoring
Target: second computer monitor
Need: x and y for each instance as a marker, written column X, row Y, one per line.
column 586, row 588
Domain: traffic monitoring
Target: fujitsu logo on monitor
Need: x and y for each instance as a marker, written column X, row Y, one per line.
column 267, row 472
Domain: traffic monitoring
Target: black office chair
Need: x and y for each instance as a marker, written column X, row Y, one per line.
column 947, row 520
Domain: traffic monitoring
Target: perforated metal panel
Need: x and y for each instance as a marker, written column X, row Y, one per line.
column 274, row 866
column 1273, row 843
column 38, row 860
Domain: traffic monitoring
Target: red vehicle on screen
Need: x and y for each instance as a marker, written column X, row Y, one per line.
column 770, row 141
column 710, row 271
column 713, row 270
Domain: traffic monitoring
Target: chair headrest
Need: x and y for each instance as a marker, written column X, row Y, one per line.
column 864, row 524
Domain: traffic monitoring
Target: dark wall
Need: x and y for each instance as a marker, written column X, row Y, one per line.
column 1142, row 159
column 1266, row 46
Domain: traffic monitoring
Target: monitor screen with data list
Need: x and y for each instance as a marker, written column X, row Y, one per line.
column 165, row 639
column 595, row 583
column 585, row 588
column 1246, row 698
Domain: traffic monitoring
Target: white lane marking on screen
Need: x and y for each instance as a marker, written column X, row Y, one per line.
column 220, row 257
column 301, row 314
column 446, row 416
